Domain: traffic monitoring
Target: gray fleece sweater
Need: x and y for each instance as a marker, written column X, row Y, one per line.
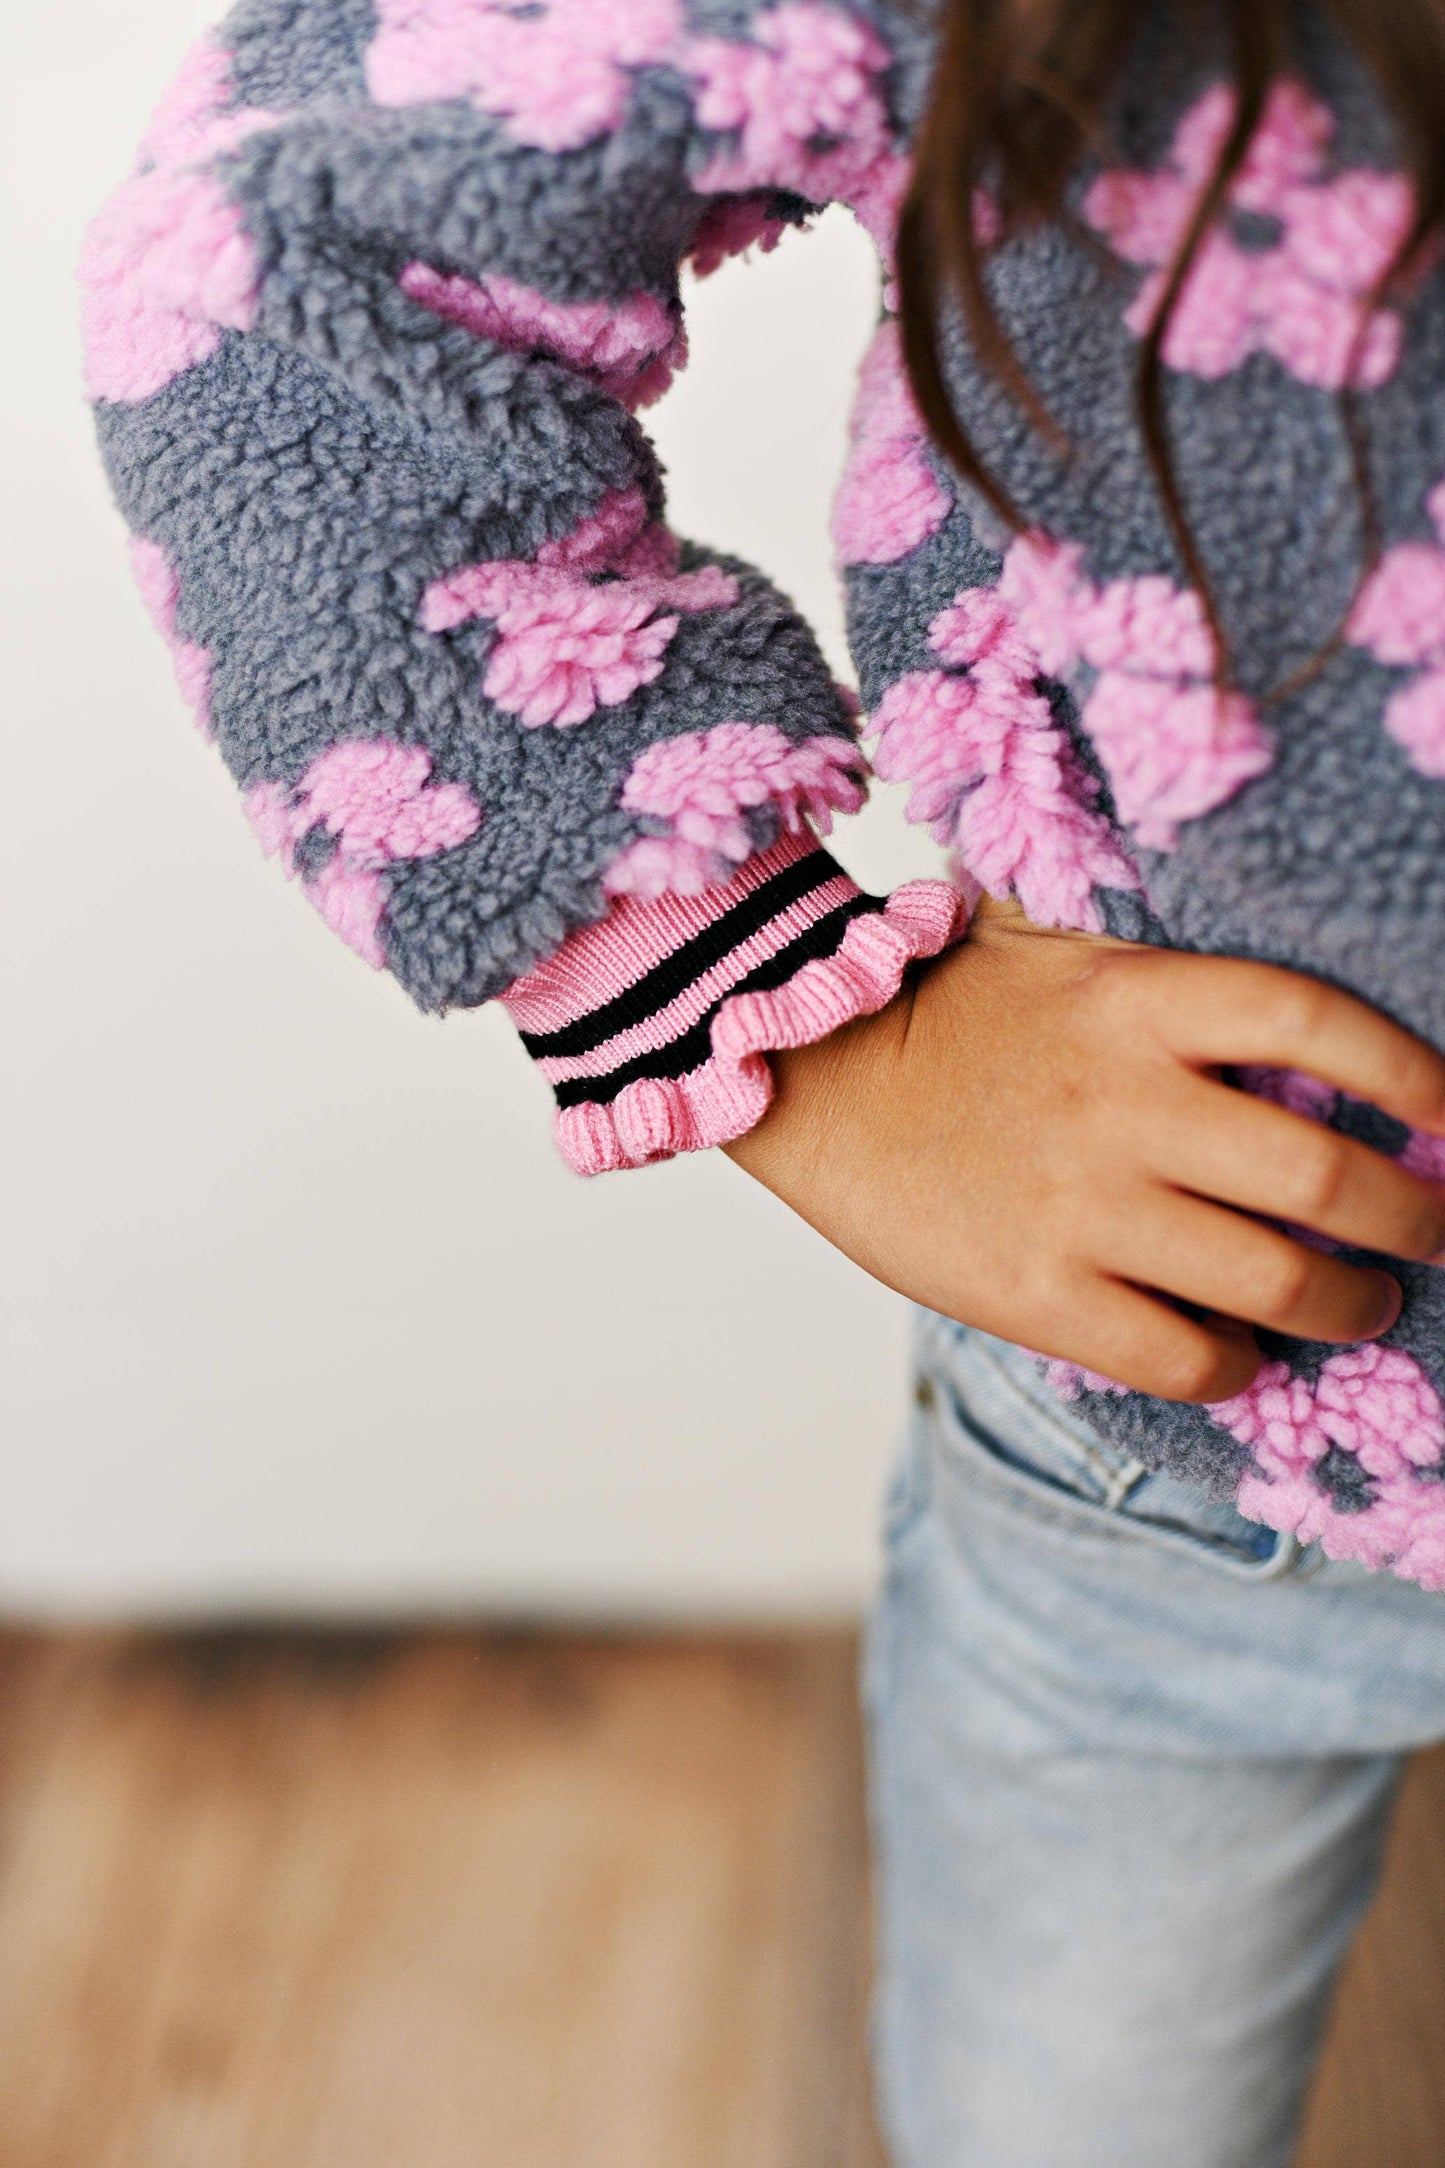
column 368, row 330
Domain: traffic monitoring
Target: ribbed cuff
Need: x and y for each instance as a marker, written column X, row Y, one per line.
column 653, row 1026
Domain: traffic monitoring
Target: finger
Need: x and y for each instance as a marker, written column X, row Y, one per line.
column 1130, row 1337
column 1208, row 1255
column 1222, row 1144
column 1215, row 1009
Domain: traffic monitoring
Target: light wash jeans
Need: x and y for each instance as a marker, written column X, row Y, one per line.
column 1133, row 1759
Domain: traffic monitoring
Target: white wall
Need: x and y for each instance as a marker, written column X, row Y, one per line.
column 302, row 1311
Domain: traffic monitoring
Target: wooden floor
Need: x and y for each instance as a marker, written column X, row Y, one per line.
column 466, row 1901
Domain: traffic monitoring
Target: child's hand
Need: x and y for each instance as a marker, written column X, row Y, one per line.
column 1034, row 1137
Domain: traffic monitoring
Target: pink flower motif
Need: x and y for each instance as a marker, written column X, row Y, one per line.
column 889, row 499
column 581, row 627
column 565, row 648
column 267, row 807
column 1320, row 336
column 1173, row 748
column 996, row 781
column 992, row 773
column 1375, row 1404
column 1213, row 328
column 801, row 98
column 1044, row 586
column 1146, row 625
column 160, row 589
column 1415, row 719
column 705, row 783
column 995, row 777
column 1372, row 1403
column 1172, row 752
column 1275, row 1417
column 351, row 900
column 632, row 348
column 1344, row 233
column 1030, row 829
column 374, row 797
column 981, row 630
column 182, row 125
column 1399, row 616
column 558, row 74
column 1302, row 298
column 164, row 267
column 1288, row 146
column 936, row 730
column 1144, row 216
column 193, row 119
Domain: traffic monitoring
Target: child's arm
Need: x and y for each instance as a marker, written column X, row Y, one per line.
column 367, row 332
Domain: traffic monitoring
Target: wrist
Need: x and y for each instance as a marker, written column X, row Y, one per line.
column 825, row 1096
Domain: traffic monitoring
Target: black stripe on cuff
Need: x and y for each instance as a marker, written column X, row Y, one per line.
column 691, row 1049
column 677, row 971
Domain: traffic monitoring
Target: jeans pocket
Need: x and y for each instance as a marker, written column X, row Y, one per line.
column 996, row 1422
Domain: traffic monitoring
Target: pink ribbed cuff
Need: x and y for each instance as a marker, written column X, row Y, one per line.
column 653, row 1026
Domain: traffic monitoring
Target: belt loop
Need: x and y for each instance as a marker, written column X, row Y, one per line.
column 1121, row 1480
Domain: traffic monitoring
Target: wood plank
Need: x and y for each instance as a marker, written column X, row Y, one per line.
column 348, row 1900
column 338, row 1902
column 1379, row 2099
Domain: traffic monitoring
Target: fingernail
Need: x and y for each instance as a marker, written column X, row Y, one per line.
column 1392, row 1301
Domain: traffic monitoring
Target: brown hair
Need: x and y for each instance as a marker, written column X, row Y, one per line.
column 1016, row 103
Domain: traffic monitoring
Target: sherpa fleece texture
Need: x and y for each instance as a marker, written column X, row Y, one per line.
column 367, row 332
